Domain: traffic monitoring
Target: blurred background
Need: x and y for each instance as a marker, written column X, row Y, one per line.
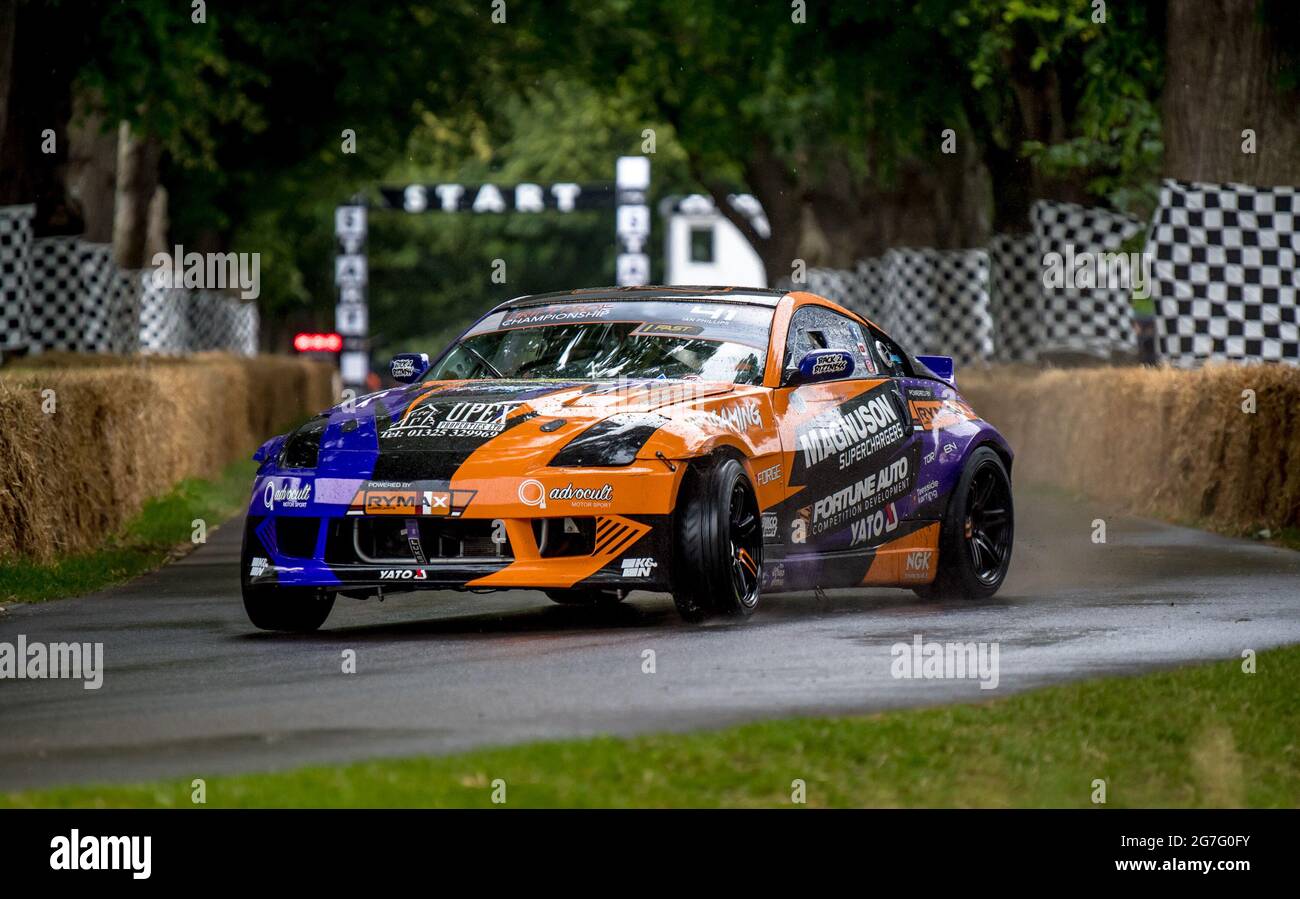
column 850, row 129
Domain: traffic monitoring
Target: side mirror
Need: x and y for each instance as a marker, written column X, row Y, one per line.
column 941, row 366
column 409, row 367
column 822, row 365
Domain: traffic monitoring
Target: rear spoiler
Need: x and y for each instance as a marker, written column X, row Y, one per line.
column 940, row 366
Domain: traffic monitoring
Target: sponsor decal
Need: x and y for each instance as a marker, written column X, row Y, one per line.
column 413, row 541
column 532, row 493
column 257, row 567
column 712, row 313
column 916, row 565
column 464, row 419
column 931, row 414
column 389, row 502
column 581, row 496
column 419, row 422
column 550, row 314
column 410, row 501
column 735, row 417
column 862, row 496
column 799, row 528
column 775, row 575
column 770, row 525
column 402, row 367
column 949, row 449
column 829, row 365
column 864, row 427
column 930, row 457
column 874, row 526
column 669, row 329
column 403, row 574
column 475, row 419
column 288, row 493
column 639, row 567
column 768, row 475
column 927, row 492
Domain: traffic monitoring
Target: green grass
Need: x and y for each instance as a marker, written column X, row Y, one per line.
column 1203, row 736
column 160, row 532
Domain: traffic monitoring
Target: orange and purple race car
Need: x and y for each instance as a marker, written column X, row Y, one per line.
column 714, row 443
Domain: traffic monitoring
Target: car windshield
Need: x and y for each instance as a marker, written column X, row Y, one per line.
column 606, row 341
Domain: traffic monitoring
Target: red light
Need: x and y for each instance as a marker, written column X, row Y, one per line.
column 317, row 343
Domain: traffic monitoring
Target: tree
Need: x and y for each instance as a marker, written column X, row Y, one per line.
column 1231, row 107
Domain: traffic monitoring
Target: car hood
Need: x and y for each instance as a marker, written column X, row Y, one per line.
column 427, row 431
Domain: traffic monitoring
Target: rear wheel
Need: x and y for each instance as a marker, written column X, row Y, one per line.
column 719, row 551
column 976, row 533
column 586, row 597
column 275, row 608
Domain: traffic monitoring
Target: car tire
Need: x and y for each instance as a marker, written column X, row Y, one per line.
column 977, row 532
column 586, row 596
column 718, row 552
column 275, row 608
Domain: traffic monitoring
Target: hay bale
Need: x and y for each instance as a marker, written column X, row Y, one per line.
column 124, row 431
column 1162, row 442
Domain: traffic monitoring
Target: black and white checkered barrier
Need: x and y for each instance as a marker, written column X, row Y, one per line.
column 97, row 271
column 218, row 321
column 1015, row 292
column 55, row 316
column 1224, row 276
column 164, row 317
column 63, row 293
column 1095, row 320
column 15, row 248
column 932, row 301
column 937, row 301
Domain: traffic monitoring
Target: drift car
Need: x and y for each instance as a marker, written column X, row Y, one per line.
column 712, row 443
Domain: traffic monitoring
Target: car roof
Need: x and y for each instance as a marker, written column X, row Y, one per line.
column 755, row 296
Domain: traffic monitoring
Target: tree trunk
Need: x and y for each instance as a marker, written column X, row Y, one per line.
column 137, row 180
column 92, row 170
column 1221, row 79
column 775, row 187
column 8, row 19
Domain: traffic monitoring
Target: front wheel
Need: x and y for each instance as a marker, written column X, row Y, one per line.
column 275, row 608
column 719, row 552
column 976, row 533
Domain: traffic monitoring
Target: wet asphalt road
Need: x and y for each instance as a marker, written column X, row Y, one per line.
column 190, row 689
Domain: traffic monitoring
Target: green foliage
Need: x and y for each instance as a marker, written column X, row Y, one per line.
column 431, row 275
column 1100, row 82
column 251, row 106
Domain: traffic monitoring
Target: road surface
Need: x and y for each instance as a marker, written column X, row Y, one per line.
column 191, row 689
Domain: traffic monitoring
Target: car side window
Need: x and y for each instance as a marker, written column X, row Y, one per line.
column 893, row 361
column 818, row 328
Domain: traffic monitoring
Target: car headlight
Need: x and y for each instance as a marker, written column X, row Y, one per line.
column 614, row 441
column 302, row 449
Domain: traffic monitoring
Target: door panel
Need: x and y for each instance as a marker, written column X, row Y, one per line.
column 851, row 457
